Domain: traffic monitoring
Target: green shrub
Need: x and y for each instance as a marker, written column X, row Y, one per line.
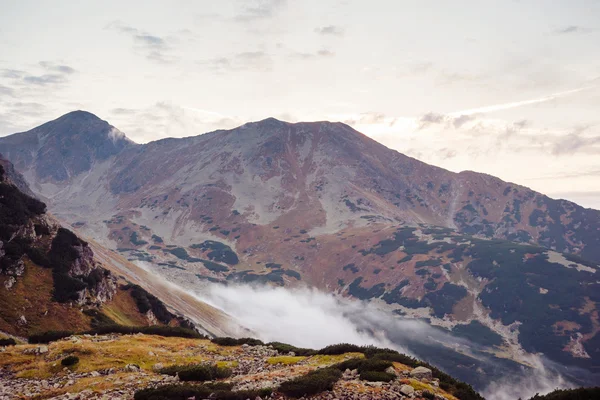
column 286, row 348
column 7, row 342
column 166, row 331
column 342, row 348
column 185, row 391
column 350, row 364
column 426, row 394
column 312, row 383
column 374, row 365
column 69, row 360
column 228, row 341
column 197, row 372
column 50, row 336
column 376, row 376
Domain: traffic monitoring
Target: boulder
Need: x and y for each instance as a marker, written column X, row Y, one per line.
column 392, row 371
column 421, row 373
column 132, row 368
column 407, row 390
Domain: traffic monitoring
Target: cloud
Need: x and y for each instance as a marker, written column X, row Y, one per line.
column 448, row 121
column 571, row 29
column 330, row 30
column 154, row 48
column 7, row 91
column 63, row 69
column 51, row 74
column 165, row 119
column 310, row 318
column 576, row 142
column 245, row 61
column 515, row 104
column 259, row 9
column 323, row 53
column 47, row 79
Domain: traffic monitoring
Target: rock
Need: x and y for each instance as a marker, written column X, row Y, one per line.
column 132, row 368
column 157, row 367
column 421, row 373
column 10, row 282
column 392, row 371
column 22, row 320
column 95, row 374
column 407, row 390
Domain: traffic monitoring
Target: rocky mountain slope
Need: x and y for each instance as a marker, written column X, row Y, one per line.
column 323, row 205
column 51, row 279
column 114, row 366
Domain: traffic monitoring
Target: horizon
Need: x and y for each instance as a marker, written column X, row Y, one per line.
column 452, row 85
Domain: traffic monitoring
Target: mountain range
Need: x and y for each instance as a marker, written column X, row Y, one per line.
column 323, row 205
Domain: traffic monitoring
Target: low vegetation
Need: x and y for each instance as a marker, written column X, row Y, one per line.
column 229, row 341
column 166, row 331
column 197, row 372
column 69, row 361
column 312, row 383
column 7, row 342
column 184, row 392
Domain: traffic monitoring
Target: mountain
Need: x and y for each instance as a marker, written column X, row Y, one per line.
column 50, row 279
column 323, row 205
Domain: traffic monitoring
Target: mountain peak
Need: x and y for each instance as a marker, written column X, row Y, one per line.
column 66, row 146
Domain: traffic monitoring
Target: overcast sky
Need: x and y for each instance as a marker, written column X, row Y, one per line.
column 509, row 88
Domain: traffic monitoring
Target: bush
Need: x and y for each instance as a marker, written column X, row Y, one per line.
column 374, row 365
column 50, row 336
column 312, row 383
column 428, row 395
column 197, row 372
column 69, row 360
column 184, row 392
column 376, row 376
column 342, row 348
column 228, row 341
column 284, row 348
column 7, row 342
column 166, row 331
column 353, row 363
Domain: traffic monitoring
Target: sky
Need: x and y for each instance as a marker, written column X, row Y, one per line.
column 510, row 88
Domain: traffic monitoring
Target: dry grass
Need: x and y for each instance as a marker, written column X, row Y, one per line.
column 285, row 360
column 142, row 350
column 31, row 296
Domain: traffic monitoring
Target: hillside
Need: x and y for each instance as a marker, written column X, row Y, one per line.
column 322, row 205
column 119, row 366
column 51, row 279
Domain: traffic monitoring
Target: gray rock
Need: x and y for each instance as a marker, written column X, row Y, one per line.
column 392, row 371
column 407, row 390
column 157, row 367
column 132, row 368
column 421, row 373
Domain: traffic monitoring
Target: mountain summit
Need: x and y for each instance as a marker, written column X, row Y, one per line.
column 65, row 147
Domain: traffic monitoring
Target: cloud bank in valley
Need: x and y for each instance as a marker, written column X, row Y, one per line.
column 310, row 318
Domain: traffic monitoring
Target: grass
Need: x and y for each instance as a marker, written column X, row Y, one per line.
column 94, row 356
column 285, row 360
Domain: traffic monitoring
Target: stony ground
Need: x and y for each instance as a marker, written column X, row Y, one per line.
column 115, row 366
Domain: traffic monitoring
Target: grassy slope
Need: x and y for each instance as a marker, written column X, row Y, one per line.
column 148, row 350
column 31, row 296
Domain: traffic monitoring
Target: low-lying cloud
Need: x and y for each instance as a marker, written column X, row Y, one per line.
column 310, row 318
